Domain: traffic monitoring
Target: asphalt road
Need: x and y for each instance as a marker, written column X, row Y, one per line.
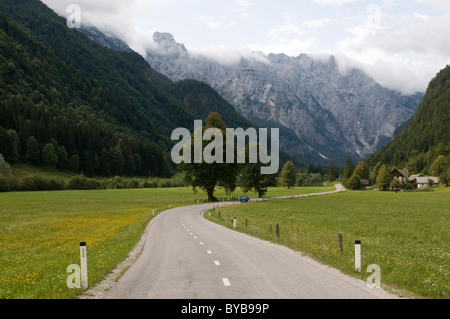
column 188, row 257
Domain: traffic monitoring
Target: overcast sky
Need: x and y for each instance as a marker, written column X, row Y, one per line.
column 402, row 44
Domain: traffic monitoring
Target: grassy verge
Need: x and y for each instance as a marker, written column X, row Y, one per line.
column 406, row 234
column 40, row 233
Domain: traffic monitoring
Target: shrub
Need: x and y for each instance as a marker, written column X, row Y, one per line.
column 5, row 184
column 83, row 183
column 5, row 168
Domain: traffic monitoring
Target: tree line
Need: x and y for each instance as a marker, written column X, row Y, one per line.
column 381, row 176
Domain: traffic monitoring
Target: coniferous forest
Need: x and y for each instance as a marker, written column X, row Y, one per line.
column 426, row 136
column 70, row 103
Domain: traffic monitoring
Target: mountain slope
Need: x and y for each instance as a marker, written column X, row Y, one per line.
column 427, row 135
column 332, row 114
column 107, row 108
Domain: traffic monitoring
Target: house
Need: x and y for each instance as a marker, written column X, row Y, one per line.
column 365, row 183
column 413, row 179
column 401, row 174
column 424, row 182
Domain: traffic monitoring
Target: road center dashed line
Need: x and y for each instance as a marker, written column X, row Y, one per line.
column 209, row 252
column 217, row 262
column 226, row 282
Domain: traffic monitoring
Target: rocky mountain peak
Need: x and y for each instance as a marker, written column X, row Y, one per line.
column 167, row 44
column 324, row 113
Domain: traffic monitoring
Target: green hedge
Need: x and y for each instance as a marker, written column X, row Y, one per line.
column 39, row 183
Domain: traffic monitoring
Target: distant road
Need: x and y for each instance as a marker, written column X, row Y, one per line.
column 188, row 257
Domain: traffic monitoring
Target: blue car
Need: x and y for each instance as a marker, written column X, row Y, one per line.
column 244, row 199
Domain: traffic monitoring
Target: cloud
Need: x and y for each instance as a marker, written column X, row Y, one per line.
column 404, row 52
column 242, row 7
column 213, row 23
column 226, row 55
column 402, row 44
column 333, row 2
column 115, row 18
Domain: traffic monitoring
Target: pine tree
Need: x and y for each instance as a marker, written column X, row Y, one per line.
column 332, row 173
column 348, row 170
column 74, row 163
column 63, row 161
column 49, row 156
column 33, row 154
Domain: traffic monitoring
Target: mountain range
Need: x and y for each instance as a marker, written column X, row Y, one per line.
column 324, row 114
column 115, row 110
column 105, row 110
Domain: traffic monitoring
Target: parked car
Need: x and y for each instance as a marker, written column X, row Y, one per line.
column 244, row 199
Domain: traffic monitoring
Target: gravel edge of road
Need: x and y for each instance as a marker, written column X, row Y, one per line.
column 377, row 292
column 98, row 291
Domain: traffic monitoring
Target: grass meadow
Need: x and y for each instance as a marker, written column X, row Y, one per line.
column 407, row 234
column 40, row 233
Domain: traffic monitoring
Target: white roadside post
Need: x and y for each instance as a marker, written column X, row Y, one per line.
column 234, row 222
column 153, row 210
column 84, row 274
column 358, row 255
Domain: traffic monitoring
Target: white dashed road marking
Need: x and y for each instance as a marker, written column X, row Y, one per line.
column 226, row 282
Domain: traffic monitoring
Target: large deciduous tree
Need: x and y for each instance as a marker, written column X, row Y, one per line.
column 288, row 174
column 207, row 176
column 384, row 178
column 251, row 179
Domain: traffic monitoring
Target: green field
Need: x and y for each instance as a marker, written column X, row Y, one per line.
column 406, row 234
column 40, row 233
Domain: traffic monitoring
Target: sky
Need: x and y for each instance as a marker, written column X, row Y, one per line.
column 401, row 44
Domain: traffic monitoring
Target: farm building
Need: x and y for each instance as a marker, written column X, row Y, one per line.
column 401, row 174
column 424, row 182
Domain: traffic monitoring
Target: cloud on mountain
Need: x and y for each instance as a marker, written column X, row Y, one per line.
column 402, row 44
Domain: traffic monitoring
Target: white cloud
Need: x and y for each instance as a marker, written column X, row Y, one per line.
column 115, row 17
column 400, row 43
column 421, row 16
column 289, row 28
column 403, row 53
column 333, row 2
column 242, row 7
column 213, row 23
column 439, row 4
column 227, row 55
column 210, row 21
